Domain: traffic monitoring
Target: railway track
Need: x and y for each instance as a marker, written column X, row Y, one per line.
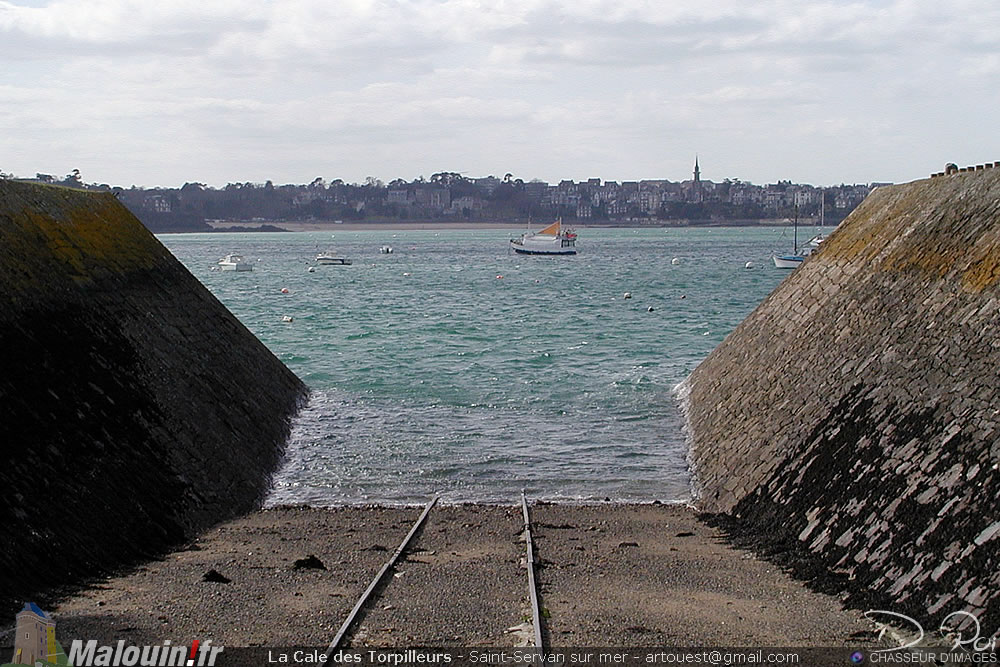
column 612, row 576
column 381, row 614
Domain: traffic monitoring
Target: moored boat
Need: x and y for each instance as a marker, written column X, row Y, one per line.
column 329, row 258
column 552, row 240
column 798, row 255
column 234, row 262
column 792, row 261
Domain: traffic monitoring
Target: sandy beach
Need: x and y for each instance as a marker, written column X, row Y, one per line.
column 395, row 225
column 328, row 226
column 610, row 575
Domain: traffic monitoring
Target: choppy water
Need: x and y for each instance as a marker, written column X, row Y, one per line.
column 430, row 372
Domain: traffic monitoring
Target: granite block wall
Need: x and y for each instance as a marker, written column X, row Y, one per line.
column 135, row 409
column 856, row 412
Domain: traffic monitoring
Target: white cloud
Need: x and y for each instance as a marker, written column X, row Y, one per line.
column 563, row 88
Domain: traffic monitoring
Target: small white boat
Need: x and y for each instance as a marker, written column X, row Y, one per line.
column 798, row 255
column 820, row 237
column 327, row 258
column 234, row 262
column 792, row 261
column 385, row 250
column 549, row 241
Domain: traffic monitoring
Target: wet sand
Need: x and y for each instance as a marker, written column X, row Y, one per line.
column 610, row 575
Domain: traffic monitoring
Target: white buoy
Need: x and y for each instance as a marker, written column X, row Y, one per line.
column 748, row 265
column 675, row 261
column 627, row 295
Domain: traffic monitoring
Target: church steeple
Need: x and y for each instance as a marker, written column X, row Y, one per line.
column 697, row 171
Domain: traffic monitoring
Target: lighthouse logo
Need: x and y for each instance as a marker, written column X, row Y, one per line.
column 36, row 645
column 35, row 642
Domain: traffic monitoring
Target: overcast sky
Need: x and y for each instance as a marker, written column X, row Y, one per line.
column 160, row 92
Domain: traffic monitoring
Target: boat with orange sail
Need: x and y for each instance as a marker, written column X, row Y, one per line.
column 553, row 240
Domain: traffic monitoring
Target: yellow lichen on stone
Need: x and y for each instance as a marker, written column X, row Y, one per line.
column 84, row 231
column 984, row 263
column 56, row 240
column 929, row 262
column 910, row 229
column 858, row 238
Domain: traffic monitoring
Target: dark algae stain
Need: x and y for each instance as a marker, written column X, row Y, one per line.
column 815, row 483
column 80, row 422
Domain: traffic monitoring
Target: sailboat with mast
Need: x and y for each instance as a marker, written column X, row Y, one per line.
column 819, row 238
column 794, row 259
column 552, row 240
column 798, row 255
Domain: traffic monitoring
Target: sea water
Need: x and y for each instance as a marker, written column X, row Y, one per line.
column 454, row 366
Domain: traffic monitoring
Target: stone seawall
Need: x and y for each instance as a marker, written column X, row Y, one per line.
column 136, row 408
column 855, row 414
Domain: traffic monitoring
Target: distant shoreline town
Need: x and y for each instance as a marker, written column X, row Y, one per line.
column 450, row 197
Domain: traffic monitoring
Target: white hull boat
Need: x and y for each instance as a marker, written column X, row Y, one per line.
column 549, row 241
column 327, row 258
column 234, row 262
column 794, row 259
column 798, row 255
column 788, row 261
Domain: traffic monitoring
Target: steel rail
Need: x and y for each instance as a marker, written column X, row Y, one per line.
column 536, row 616
column 349, row 621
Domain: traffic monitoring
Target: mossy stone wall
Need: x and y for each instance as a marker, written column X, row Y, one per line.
column 135, row 409
column 855, row 414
